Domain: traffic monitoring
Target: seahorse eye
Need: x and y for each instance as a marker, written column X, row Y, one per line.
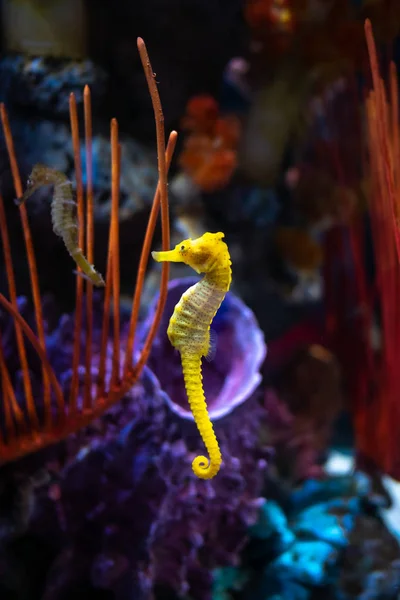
column 182, row 247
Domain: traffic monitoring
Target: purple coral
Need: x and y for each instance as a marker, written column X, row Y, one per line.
column 232, row 376
column 138, row 519
column 123, row 511
column 206, row 522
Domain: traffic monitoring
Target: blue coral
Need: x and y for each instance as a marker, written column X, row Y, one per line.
column 325, row 539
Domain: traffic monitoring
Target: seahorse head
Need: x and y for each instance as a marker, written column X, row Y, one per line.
column 200, row 254
column 40, row 175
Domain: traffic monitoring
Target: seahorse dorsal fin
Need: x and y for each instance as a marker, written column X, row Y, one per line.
column 212, row 345
column 82, row 274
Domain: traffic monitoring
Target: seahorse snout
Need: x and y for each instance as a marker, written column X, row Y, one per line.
column 167, row 256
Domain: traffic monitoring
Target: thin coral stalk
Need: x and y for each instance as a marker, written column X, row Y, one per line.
column 8, row 400
column 73, row 114
column 17, row 436
column 11, row 409
column 41, row 352
column 115, row 177
column 18, row 333
column 30, row 252
column 87, row 403
column 30, row 257
column 145, row 257
column 162, row 174
column 107, row 296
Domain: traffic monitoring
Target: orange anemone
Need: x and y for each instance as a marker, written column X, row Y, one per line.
column 209, row 155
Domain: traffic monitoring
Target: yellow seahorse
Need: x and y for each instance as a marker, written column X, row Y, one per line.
column 189, row 329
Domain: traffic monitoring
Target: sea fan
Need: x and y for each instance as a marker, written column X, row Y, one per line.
column 30, row 420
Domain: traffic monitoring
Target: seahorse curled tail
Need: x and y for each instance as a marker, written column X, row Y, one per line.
column 203, row 467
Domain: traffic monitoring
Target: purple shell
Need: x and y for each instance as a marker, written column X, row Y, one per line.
column 233, row 374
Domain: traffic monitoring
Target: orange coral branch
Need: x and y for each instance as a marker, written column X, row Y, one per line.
column 7, row 390
column 13, row 446
column 11, row 409
column 32, row 268
column 144, row 258
column 105, row 325
column 42, row 354
column 30, row 405
column 162, row 174
column 73, row 115
column 87, row 402
column 112, row 275
column 115, row 177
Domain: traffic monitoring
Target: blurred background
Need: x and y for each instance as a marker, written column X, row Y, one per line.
column 289, row 143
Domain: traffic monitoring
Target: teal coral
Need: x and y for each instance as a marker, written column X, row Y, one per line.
column 305, row 542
